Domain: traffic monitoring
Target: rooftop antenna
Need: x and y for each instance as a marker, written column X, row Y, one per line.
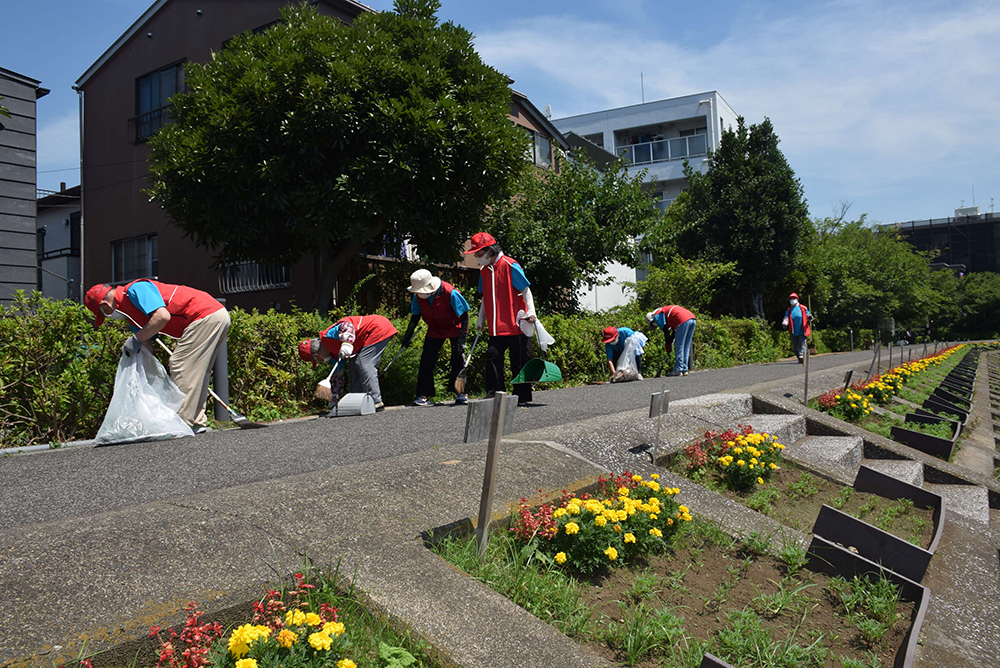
column 973, row 194
column 642, row 87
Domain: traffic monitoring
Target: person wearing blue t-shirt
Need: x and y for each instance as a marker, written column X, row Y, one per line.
column 614, row 345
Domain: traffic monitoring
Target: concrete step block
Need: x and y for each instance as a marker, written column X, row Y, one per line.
column 718, row 408
column 970, row 501
column 906, row 470
column 786, row 428
column 844, row 451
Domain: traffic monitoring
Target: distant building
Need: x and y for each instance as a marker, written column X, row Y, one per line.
column 18, row 179
column 966, row 243
column 58, row 229
column 125, row 102
column 658, row 137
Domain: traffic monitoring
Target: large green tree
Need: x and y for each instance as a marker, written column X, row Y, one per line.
column 565, row 226
column 747, row 208
column 315, row 137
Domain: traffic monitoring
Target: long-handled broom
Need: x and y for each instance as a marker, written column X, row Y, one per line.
column 239, row 420
column 464, row 373
column 324, row 390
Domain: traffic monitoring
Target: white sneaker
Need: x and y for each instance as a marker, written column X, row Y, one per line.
column 200, row 430
column 639, row 377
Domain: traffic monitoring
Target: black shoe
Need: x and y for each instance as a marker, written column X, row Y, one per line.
column 379, row 407
column 674, row 373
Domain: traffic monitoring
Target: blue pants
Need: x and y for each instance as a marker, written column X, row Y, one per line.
column 684, row 335
column 799, row 345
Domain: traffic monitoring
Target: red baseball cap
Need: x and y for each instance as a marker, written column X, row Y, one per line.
column 305, row 352
column 794, row 295
column 93, row 299
column 481, row 240
column 610, row 333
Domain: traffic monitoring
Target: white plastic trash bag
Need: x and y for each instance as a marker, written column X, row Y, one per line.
column 144, row 405
column 627, row 369
column 530, row 329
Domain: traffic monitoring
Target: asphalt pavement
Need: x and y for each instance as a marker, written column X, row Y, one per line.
column 80, row 481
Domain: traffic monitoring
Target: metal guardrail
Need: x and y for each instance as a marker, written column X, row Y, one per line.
column 254, row 276
column 144, row 126
column 664, row 150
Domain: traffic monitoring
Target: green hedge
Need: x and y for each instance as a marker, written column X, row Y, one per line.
column 57, row 372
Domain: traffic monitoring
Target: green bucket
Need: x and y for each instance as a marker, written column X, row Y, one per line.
column 538, row 371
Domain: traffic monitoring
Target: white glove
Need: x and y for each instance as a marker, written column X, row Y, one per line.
column 784, row 323
column 132, row 346
column 346, row 350
column 649, row 316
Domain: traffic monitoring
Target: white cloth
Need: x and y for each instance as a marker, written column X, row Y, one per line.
column 529, row 329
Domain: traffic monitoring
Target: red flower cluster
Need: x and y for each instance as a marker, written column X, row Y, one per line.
column 712, row 444
column 531, row 523
column 271, row 611
column 190, row 647
column 828, row 400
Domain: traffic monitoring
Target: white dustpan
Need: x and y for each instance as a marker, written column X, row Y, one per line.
column 353, row 403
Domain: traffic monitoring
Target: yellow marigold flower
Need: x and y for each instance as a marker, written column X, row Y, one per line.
column 670, row 521
column 245, row 636
column 653, row 516
column 656, row 532
column 629, row 538
column 608, row 503
column 686, row 518
column 623, row 491
column 612, row 553
column 600, row 520
column 622, row 515
column 573, row 509
column 312, row 619
column 760, row 481
column 753, row 460
column 751, row 466
column 333, row 629
column 346, row 663
column 560, row 557
column 741, row 463
column 246, row 663
column 295, row 617
column 572, row 528
column 558, row 512
column 655, row 486
column 655, row 476
column 637, row 478
column 320, row 640
column 683, row 509
column 773, row 466
column 287, row 638
column 738, row 451
column 618, row 528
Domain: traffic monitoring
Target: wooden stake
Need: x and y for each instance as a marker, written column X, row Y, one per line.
column 486, row 501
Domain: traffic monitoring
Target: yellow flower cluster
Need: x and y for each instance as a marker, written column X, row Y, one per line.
column 612, row 553
column 244, row 637
column 246, row 663
column 683, row 514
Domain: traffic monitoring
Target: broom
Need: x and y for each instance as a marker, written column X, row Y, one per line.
column 324, row 390
column 464, row 373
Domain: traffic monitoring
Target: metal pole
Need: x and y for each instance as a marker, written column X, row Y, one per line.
column 890, row 354
column 486, row 501
column 851, row 330
column 220, row 378
column 805, row 390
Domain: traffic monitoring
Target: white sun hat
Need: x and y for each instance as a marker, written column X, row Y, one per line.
column 423, row 282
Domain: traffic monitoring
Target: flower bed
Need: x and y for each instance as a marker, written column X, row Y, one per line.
column 705, row 593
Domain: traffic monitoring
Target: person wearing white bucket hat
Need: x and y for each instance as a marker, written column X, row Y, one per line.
column 444, row 309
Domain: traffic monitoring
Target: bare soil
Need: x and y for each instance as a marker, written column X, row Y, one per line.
column 702, row 582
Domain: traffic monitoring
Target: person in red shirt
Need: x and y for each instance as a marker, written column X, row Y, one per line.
column 360, row 338
column 196, row 319
column 506, row 292
column 682, row 322
column 444, row 309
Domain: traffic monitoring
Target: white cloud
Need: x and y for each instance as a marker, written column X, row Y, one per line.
column 864, row 95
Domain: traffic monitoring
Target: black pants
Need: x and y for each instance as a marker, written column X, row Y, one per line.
column 428, row 361
column 519, row 346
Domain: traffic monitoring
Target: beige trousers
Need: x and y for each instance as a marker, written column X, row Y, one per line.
column 192, row 361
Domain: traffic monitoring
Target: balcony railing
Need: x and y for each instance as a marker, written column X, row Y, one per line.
column 254, row 276
column 664, row 150
column 144, row 126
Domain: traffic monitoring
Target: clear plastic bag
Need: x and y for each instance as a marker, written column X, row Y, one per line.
column 627, row 369
column 144, row 405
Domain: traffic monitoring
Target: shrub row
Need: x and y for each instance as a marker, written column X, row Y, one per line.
column 57, row 372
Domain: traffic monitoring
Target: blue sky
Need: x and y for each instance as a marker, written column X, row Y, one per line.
column 889, row 105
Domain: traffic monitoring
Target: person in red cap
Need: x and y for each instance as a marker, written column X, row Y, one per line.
column 360, row 338
column 797, row 319
column 506, row 292
column 614, row 345
column 682, row 323
column 195, row 318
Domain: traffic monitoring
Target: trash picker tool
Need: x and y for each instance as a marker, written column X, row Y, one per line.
column 382, row 372
column 239, row 420
column 464, row 373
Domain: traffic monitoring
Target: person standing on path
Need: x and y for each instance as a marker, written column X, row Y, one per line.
column 797, row 319
column 360, row 338
column 446, row 313
column 196, row 319
column 506, row 291
column 682, row 322
column 614, row 345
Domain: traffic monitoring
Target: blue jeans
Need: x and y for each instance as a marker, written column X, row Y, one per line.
column 799, row 345
column 684, row 335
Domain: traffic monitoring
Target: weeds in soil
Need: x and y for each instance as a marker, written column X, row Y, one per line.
column 782, row 601
column 757, row 544
column 747, row 642
column 871, row 661
column 792, row 555
column 643, row 631
column 842, row 498
column 804, row 488
column 870, row 605
column 889, row 515
column 647, row 583
column 763, row 500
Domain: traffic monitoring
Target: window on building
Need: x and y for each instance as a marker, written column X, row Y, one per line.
column 152, row 92
column 254, row 276
column 135, row 258
column 693, row 132
column 539, row 151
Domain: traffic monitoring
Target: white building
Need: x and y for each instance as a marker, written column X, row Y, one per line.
column 58, row 230
column 658, row 137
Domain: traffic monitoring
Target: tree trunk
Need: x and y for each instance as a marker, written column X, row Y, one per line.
column 331, row 264
column 758, row 304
